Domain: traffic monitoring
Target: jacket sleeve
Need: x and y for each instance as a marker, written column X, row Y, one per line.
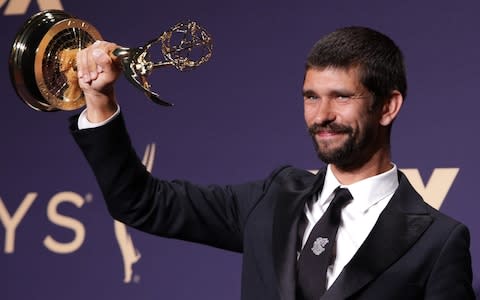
column 212, row 215
column 451, row 276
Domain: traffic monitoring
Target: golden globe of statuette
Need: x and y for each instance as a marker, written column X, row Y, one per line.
column 42, row 60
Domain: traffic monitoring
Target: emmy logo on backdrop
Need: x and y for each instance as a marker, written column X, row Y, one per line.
column 130, row 254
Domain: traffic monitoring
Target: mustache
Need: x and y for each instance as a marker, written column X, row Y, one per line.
column 331, row 127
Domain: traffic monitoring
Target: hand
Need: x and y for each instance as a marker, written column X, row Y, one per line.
column 97, row 72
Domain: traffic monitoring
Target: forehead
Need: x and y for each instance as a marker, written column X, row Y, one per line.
column 330, row 78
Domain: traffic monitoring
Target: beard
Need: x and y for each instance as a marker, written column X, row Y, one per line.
column 353, row 152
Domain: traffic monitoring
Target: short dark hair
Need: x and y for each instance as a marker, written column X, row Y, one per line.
column 379, row 59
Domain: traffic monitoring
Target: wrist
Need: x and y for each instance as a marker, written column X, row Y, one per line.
column 100, row 107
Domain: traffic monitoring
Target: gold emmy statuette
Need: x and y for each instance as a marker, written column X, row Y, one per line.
column 42, row 60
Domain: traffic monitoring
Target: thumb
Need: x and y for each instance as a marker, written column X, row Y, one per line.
column 102, row 60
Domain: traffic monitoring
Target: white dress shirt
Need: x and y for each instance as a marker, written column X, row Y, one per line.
column 370, row 197
column 84, row 123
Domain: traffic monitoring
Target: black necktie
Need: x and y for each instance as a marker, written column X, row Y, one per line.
column 318, row 252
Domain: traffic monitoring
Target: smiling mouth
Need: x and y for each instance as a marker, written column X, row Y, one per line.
column 328, row 134
column 328, row 130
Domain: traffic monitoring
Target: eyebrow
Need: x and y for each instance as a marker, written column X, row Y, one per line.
column 334, row 92
column 308, row 93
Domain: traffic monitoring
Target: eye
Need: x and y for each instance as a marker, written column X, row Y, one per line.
column 307, row 96
column 343, row 98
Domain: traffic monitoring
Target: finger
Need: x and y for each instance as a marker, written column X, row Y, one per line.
column 102, row 60
column 93, row 52
column 82, row 66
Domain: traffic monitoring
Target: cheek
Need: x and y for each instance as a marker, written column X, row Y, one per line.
column 308, row 116
column 357, row 116
column 313, row 114
column 366, row 127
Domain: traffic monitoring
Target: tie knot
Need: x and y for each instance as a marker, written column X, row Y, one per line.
column 341, row 198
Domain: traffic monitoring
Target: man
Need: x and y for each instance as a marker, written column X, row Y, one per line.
column 389, row 244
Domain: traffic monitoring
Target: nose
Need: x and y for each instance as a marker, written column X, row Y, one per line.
column 320, row 111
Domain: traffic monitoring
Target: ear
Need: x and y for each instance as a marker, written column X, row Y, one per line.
column 390, row 108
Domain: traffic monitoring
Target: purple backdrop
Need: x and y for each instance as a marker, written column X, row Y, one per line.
column 235, row 119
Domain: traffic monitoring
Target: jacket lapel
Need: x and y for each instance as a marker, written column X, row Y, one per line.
column 399, row 226
column 284, row 236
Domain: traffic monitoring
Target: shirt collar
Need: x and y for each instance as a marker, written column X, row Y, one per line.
column 366, row 192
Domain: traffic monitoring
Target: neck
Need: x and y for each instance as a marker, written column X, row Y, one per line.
column 379, row 163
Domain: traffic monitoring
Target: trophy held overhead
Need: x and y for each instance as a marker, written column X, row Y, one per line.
column 42, row 61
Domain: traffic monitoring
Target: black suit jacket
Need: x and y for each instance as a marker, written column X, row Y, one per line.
column 413, row 251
